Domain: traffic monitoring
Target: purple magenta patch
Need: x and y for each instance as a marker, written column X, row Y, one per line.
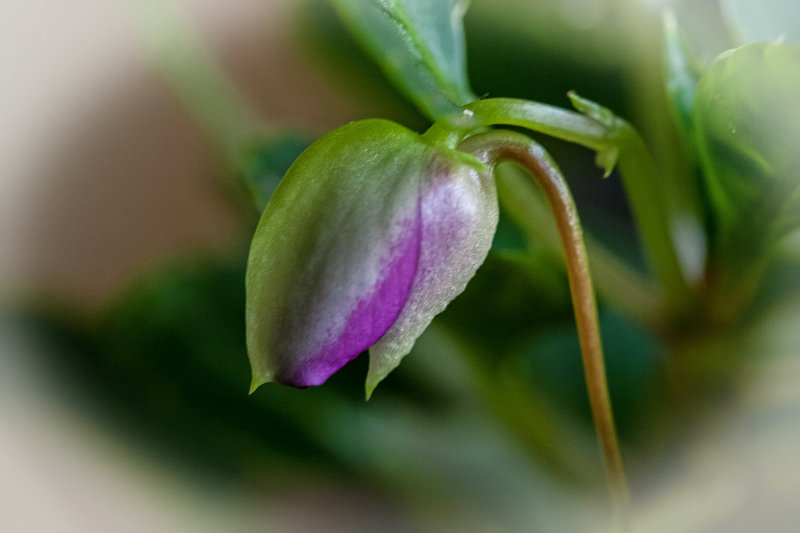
column 374, row 312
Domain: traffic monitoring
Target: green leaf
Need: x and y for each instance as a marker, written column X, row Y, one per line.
column 420, row 46
column 747, row 124
column 264, row 162
column 166, row 362
column 681, row 76
column 757, row 20
column 496, row 311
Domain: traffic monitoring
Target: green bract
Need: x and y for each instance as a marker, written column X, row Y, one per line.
column 371, row 233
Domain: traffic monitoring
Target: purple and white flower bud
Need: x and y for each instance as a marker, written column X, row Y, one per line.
column 369, row 236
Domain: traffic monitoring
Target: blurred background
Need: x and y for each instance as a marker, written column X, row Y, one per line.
column 123, row 371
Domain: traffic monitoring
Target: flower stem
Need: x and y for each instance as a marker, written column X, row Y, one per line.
column 617, row 282
column 494, row 147
column 616, row 143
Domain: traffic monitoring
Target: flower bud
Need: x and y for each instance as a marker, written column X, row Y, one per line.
column 371, row 233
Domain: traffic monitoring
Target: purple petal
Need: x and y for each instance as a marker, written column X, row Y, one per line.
column 459, row 218
column 372, row 313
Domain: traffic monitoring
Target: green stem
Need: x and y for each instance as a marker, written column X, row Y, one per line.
column 615, row 280
column 197, row 79
column 641, row 179
column 555, row 121
column 613, row 139
column 494, row 147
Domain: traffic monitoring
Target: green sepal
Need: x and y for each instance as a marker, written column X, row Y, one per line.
column 607, row 156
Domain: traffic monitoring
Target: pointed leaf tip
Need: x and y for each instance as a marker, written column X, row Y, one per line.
column 607, row 156
column 607, row 159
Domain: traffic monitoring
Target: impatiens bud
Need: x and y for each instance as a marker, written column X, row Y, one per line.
column 372, row 232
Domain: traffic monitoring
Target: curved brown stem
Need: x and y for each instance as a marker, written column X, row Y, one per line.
column 494, row 147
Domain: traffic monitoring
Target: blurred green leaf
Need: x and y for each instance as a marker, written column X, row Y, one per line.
column 513, row 294
column 747, row 123
column 165, row 366
column 681, row 75
column 264, row 163
column 419, row 44
column 551, row 362
column 171, row 357
column 757, row 20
